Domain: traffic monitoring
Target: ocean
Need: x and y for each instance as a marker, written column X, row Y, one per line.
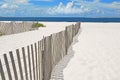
column 60, row 19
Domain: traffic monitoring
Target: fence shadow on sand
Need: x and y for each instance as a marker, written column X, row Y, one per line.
column 57, row 73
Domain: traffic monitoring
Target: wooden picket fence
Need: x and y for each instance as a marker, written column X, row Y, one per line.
column 14, row 27
column 36, row 61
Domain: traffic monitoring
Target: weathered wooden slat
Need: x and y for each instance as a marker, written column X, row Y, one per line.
column 13, row 64
column 38, row 60
column 36, row 55
column 7, row 66
column 25, row 65
column 41, row 60
column 1, row 71
column 45, row 58
column 19, row 64
column 33, row 61
column 43, row 66
column 29, row 61
column 66, row 40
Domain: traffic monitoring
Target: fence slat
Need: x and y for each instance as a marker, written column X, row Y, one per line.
column 1, row 71
column 25, row 66
column 7, row 66
column 13, row 64
column 43, row 66
column 39, row 60
column 36, row 60
column 33, row 61
column 29, row 61
column 19, row 64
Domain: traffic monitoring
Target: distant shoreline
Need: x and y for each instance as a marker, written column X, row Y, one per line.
column 60, row 19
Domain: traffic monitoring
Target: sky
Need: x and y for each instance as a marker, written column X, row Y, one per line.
column 60, row 8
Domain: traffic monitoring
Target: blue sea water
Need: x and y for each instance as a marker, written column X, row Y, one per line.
column 60, row 19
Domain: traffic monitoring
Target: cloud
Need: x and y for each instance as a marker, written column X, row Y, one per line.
column 96, row 1
column 4, row 5
column 44, row 0
column 21, row 1
column 15, row 8
column 115, row 5
column 86, row 8
column 10, row 4
column 20, row 10
column 103, row 8
column 69, row 8
column 16, row 1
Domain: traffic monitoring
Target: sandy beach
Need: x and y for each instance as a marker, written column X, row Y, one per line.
column 94, row 54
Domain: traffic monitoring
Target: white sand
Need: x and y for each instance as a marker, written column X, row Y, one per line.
column 15, row 41
column 96, row 54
